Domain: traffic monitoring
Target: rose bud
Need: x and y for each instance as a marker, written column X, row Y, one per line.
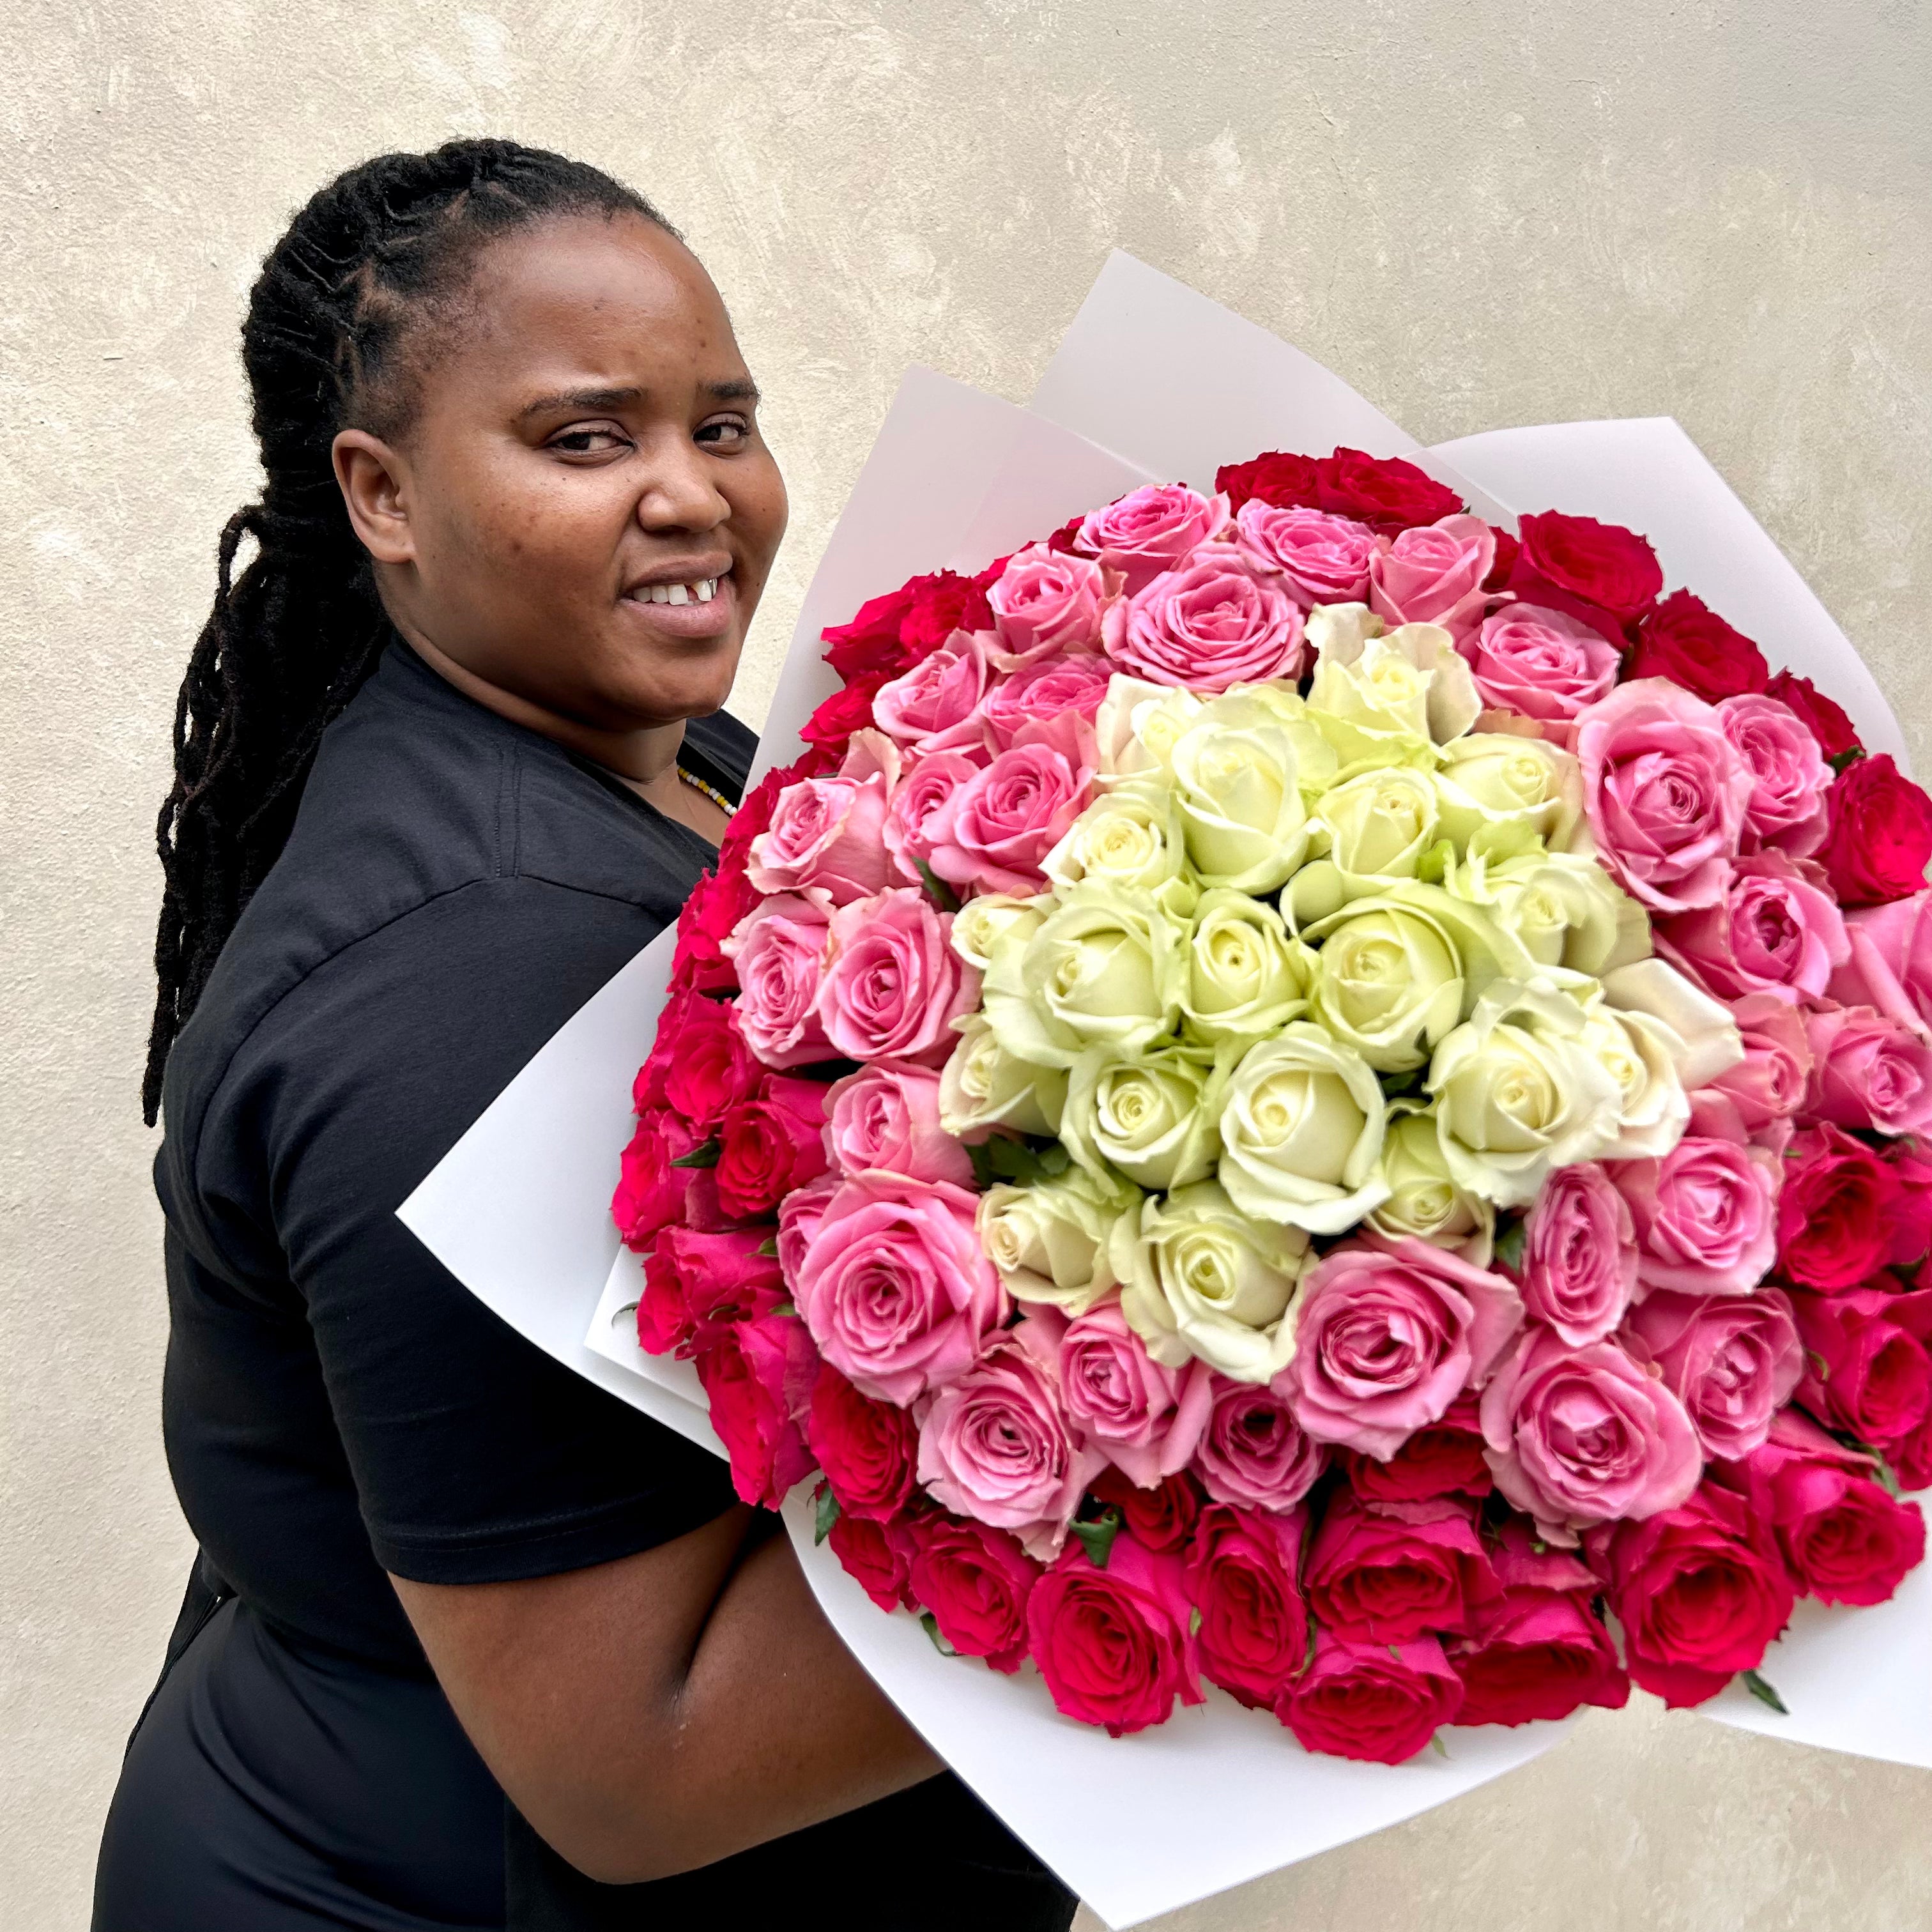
column 1867, row 1370
column 1683, row 639
column 1252, row 1450
column 1732, row 1360
column 696, row 1283
column 1880, row 835
column 1441, row 1459
column 1385, row 492
column 1162, row 1518
column 1837, row 1211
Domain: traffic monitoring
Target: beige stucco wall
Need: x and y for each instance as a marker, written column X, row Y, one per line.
column 1479, row 214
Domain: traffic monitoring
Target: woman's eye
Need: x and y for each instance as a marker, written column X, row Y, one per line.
column 724, row 433
column 594, row 441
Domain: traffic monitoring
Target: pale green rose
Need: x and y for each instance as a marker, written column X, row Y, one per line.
column 1246, row 976
column 1500, row 794
column 1565, row 909
column 983, row 924
column 1703, row 1037
column 1386, row 697
column 1241, row 808
column 1301, row 1132
column 1423, row 1199
column 1319, row 889
column 1316, row 765
column 1199, row 1279
column 1378, row 825
column 1397, row 969
column 1104, row 969
column 1128, row 837
column 1052, row 1241
column 1118, row 751
column 1519, row 1093
column 1636, row 1051
column 1154, row 1116
column 983, row 1087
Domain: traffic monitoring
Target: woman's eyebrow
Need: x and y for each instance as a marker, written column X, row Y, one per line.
column 741, row 389
column 581, row 399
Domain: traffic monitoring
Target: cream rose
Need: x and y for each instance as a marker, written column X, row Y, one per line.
column 1423, row 1199
column 1378, row 825
column 1565, row 909
column 1246, row 976
column 984, row 923
column 1499, row 794
column 1241, row 808
column 1052, row 1241
column 1129, row 838
column 1135, row 727
column 1198, row 1278
column 1705, row 1043
column 1387, row 698
column 982, row 1087
column 1153, row 1117
column 1638, row 1052
column 1301, row 1132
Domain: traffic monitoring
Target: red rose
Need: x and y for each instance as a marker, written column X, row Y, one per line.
column 1906, row 1161
column 870, row 645
column 696, row 1283
column 869, row 1450
column 1866, row 1368
column 1442, row 1458
column 977, row 1581
column 1837, row 1212
column 1880, row 835
column 1507, row 550
column 1384, row 492
column 1371, row 1701
column 828, row 729
column 1845, row 1539
column 1162, row 1517
column 1537, row 1649
column 1277, row 477
column 1828, row 723
column 1371, row 1577
column 770, row 1145
column 1685, row 640
column 1700, row 1590
column 892, row 633
column 1603, row 564
column 1114, row 1645
column 877, row 1556
column 717, row 903
column 757, row 1375
column 699, row 1066
column 652, row 1194
column 1253, row 1634
column 1912, row 1459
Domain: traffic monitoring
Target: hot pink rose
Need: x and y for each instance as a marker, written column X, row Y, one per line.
column 1752, row 1101
column 1253, row 1632
column 1910, row 1164
column 770, row 1145
column 1869, row 1074
column 1388, row 1337
column 696, row 1283
column 1878, row 839
column 1579, row 1255
column 1324, row 559
column 1706, row 1215
column 1046, row 604
column 1838, row 1212
column 779, row 950
column 1789, row 773
column 867, row 1449
column 1377, row 1701
column 1584, row 1436
column 717, row 902
column 1732, row 1360
column 824, row 840
column 1434, row 575
column 1370, row 1577
column 1444, row 1458
column 1545, row 664
column 991, row 833
column 1043, row 692
column 1252, row 1450
column 939, row 697
column 700, row 1066
column 1145, row 1419
column 757, row 1375
column 1665, row 791
column 1867, row 1370
column 653, row 1193
column 877, row 1556
column 976, row 1583
column 928, row 782
column 893, row 986
column 1151, row 529
column 1162, row 1518
column 1776, row 930
column 1890, row 963
column 894, row 1286
column 886, row 1116
column 1211, row 621
column 1114, row 1645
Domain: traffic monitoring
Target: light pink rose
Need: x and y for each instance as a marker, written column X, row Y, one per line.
column 939, row 699
column 1145, row 1419
column 1732, row 1360
column 1776, row 930
column 928, row 782
column 824, row 839
column 894, row 1285
column 1433, row 574
column 886, row 1116
column 1388, row 1336
column 800, row 1213
column 1543, row 663
column 1706, row 1215
column 991, row 833
column 1579, row 1255
column 1150, row 530
column 996, row 1444
column 1869, row 1073
column 779, row 949
column 1252, row 1452
column 1753, row 1103
column 1890, row 964
column 1325, row 560
column 1046, row 604
column 1211, row 621
column 1789, row 774
column 892, row 984
column 1577, row 1436
column 1044, row 691
column 1665, row 792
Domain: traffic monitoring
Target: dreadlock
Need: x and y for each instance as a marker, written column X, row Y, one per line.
column 291, row 640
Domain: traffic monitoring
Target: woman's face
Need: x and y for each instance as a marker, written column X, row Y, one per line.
column 582, row 513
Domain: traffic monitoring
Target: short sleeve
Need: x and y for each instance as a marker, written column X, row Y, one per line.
column 476, row 1457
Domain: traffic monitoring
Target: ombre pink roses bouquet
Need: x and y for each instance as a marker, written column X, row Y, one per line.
column 1302, row 1092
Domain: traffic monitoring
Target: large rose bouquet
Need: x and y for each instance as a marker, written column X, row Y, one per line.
column 1303, row 1092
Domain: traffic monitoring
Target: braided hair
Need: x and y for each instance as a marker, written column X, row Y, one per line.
column 326, row 345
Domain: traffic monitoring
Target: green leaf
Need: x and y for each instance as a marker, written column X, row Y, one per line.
column 1842, row 759
column 1436, row 1744
column 1194, row 1623
column 1053, row 1159
column 1763, row 1692
column 983, row 1176
column 1509, row 1246
column 769, row 1248
column 827, row 1513
column 1096, row 1537
column 937, row 890
column 704, row 1155
column 930, row 1624
column 1887, row 1477
column 786, row 1308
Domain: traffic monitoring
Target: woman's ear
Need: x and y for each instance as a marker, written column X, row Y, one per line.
column 371, row 475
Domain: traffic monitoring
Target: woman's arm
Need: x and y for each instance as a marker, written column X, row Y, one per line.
column 652, row 1715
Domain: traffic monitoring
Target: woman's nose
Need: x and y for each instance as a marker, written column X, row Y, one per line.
column 681, row 493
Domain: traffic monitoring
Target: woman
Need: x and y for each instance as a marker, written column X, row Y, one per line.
column 448, row 752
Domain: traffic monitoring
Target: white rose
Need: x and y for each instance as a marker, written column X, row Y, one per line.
column 1637, row 1052
column 1316, row 765
column 1423, row 1198
column 1705, row 1041
column 1241, row 809
column 1247, row 977
column 1137, row 724
column 1564, row 908
column 1378, row 825
column 1301, row 1132
column 1052, row 1242
column 1154, row 1116
column 1130, row 838
column 1500, row 794
column 1387, row 698
column 983, row 1086
column 983, row 924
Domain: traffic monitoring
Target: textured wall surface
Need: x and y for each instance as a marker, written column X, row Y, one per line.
column 1479, row 213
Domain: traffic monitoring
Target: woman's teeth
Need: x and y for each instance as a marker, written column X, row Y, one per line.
column 701, row 591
